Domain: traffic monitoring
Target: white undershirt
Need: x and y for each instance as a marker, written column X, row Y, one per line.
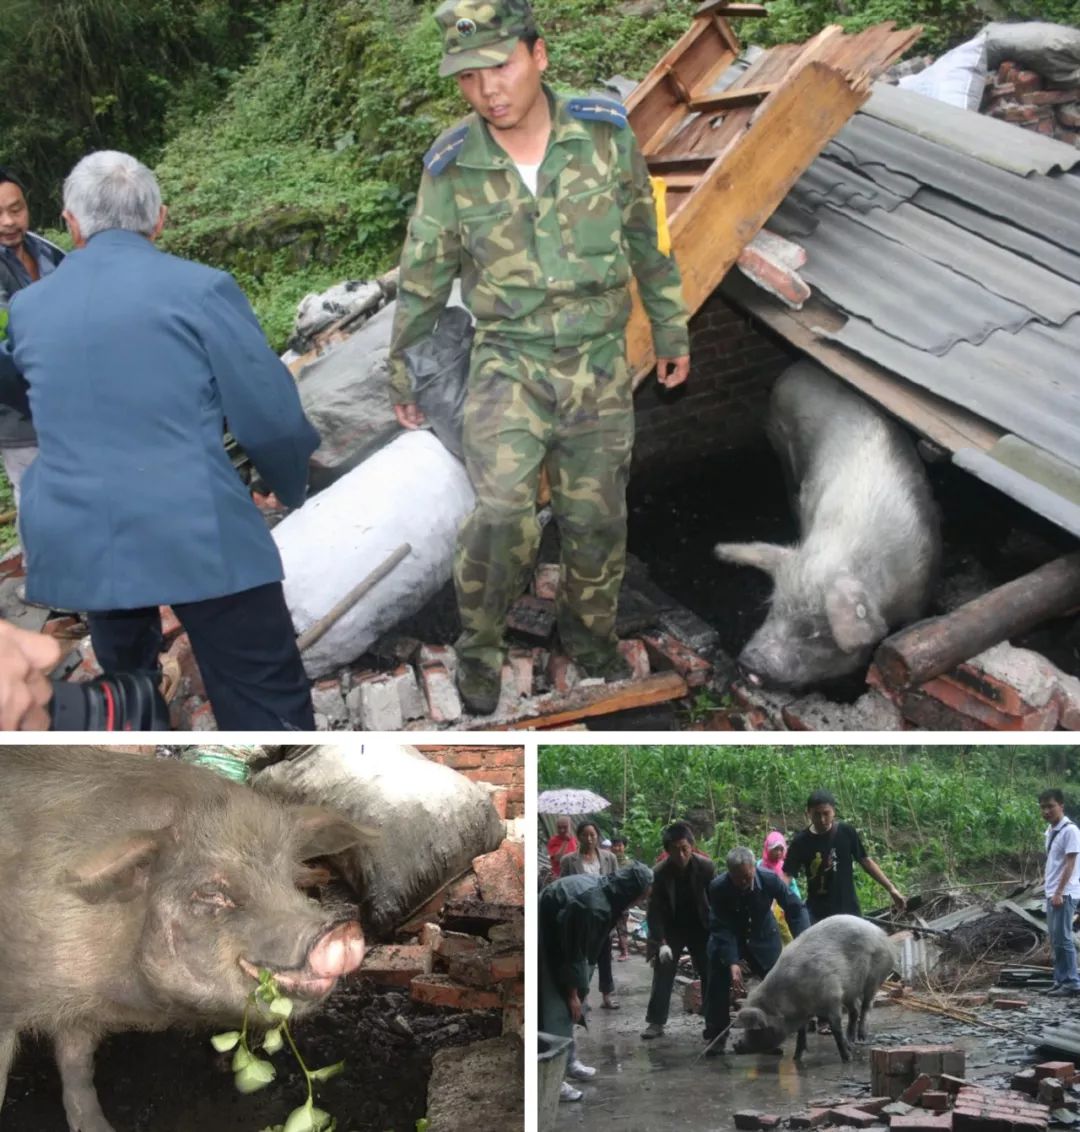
column 528, row 175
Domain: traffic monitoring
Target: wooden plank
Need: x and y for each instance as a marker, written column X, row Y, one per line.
column 932, row 647
column 687, row 163
column 719, row 218
column 600, row 699
column 730, row 99
column 937, row 419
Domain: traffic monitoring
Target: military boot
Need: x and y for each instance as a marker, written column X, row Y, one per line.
column 479, row 685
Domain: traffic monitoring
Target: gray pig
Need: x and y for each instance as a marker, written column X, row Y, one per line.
column 838, row 964
column 869, row 543
column 141, row 893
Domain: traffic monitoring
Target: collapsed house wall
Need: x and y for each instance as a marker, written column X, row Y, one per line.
column 733, row 365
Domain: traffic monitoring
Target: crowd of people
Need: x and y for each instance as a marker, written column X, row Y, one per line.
column 727, row 922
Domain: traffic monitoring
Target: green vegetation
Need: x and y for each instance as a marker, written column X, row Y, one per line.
column 288, row 134
column 928, row 815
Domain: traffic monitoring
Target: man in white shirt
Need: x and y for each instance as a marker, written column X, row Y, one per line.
column 1062, row 887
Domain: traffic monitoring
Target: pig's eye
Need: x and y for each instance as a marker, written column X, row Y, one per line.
column 211, row 900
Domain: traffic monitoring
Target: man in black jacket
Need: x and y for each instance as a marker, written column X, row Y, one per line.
column 24, row 259
column 742, row 927
column 678, row 919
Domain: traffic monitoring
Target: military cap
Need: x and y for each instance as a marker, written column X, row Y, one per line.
column 481, row 33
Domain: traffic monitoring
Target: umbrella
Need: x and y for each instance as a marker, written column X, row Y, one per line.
column 570, row 802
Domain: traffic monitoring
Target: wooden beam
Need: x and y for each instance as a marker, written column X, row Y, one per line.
column 731, row 11
column 743, row 188
column 935, row 646
column 599, row 699
column 731, row 99
column 680, row 163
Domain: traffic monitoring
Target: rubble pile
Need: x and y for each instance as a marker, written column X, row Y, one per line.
column 922, row 1089
column 1033, row 102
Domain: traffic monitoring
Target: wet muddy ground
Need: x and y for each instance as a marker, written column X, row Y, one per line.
column 644, row 1086
column 176, row 1082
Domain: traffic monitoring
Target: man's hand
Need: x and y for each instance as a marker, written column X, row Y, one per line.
column 736, row 978
column 898, row 902
column 25, row 658
column 409, row 416
column 672, row 371
column 665, row 954
column 1057, row 900
column 574, row 1003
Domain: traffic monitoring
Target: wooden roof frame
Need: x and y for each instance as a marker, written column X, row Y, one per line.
column 728, row 159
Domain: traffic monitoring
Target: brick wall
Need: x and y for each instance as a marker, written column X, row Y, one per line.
column 499, row 766
column 732, row 367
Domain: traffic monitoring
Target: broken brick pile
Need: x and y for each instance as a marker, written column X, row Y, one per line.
column 1001, row 689
column 465, row 949
column 419, row 692
column 500, row 768
column 922, row 1089
column 1032, row 102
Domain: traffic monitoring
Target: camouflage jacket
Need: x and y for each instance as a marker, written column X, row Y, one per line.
column 550, row 271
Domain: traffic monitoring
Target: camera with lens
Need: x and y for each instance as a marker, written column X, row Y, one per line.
column 125, row 701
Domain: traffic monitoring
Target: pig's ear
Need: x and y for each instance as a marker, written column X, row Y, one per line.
column 765, row 556
column 323, row 832
column 751, row 1018
column 116, row 871
column 854, row 619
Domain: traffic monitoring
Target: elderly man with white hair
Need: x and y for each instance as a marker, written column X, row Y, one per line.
column 133, row 361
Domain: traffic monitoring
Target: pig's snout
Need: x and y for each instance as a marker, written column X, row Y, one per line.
column 338, row 952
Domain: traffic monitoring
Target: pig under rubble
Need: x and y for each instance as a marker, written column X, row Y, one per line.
column 869, row 543
column 835, row 965
column 141, row 894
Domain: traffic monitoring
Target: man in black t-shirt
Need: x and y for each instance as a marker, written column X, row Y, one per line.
column 826, row 852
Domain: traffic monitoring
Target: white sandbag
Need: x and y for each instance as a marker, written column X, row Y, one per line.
column 1051, row 49
column 429, row 821
column 412, row 491
column 957, row 78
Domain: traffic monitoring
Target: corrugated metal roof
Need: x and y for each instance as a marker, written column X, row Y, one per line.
column 954, row 258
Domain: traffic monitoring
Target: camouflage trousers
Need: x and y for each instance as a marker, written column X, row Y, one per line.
column 572, row 411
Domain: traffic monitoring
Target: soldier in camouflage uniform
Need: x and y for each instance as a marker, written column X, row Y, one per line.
column 542, row 204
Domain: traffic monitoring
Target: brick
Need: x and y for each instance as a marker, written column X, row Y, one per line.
column 200, row 715
column 1025, row 81
column 563, row 674
column 507, row 967
column 396, row 964
column 437, row 654
column 1049, row 97
column 929, row 714
column 1025, row 1081
column 463, row 758
column 1010, row 1004
column 495, row 776
column 962, row 697
column 916, row 1089
column 410, row 700
column 1069, row 115
column 464, row 889
column 500, row 878
column 170, row 623
column 748, row 1120
column 545, row 584
column 431, row 936
column 1051, row 1091
column 950, row 1083
column 769, row 271
column 668, row 654
column 872, row 1104
column 954, row 1063
column 521, row 666
column 452, row 946
column 935, row 1099
column 329, row 702
column 532, row 616
column 64, row 628
column 12, row 566
column 919, row 1120
column 852, row 1117
column 513, row 1019
column 186, row 676
column 440, row 990
column 636, row 655
column 1063, row 1070
column 814, row 1118
column 500, row 800
column 430, row 909
column 375, row 706
column 444, row 703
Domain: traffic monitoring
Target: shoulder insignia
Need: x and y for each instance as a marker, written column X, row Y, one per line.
column 445, row 148
column 597, row 109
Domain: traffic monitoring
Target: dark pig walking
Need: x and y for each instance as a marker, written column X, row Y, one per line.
column 835, row 965
column 869, row 544
column 141, row 894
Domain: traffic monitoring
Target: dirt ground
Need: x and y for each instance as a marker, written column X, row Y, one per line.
column 175, row 1082
column 662, row 1084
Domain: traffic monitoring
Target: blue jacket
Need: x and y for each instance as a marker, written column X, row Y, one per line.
column 742, row 925
column 134, row 360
